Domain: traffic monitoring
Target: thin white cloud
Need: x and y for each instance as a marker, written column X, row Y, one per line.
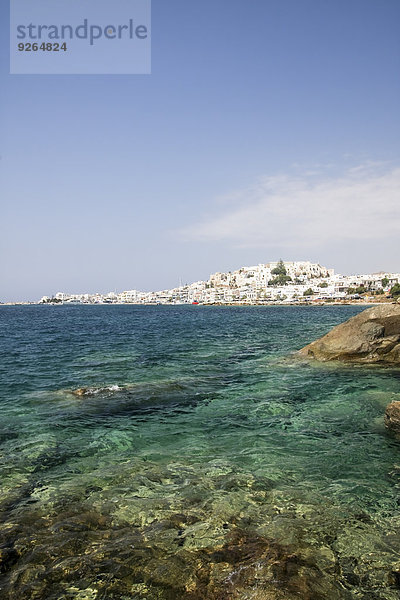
column 305, row 212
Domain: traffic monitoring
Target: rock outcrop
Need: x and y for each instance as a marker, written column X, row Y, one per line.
column 372, row 336
column 392, row 417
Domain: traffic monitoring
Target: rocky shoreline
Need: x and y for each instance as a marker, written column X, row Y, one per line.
column 371, row 337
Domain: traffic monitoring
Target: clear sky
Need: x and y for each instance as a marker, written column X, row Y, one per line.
column 267, row 129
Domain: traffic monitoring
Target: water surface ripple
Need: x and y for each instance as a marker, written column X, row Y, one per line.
column 201, row 462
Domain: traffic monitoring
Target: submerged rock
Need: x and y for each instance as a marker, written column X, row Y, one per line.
column 93, row 391
column 80, row 392
column 373, row 336
column 392, row 416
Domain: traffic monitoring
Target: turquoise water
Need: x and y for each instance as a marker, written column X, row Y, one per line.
column 202, row 460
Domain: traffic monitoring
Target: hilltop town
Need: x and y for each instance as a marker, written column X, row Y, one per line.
column 273, row 282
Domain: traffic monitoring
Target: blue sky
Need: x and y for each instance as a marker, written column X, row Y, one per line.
column 267, row 129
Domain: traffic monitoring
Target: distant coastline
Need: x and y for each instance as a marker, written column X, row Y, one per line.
column 273, row 283
column 221, row 304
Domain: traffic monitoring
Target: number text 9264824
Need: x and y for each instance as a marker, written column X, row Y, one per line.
column 44, row 47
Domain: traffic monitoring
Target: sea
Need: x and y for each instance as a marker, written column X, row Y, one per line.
column 187, row 453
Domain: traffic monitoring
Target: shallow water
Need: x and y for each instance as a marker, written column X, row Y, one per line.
column 202, row 462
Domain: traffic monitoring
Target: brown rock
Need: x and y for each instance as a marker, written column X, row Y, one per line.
column 373, row 336
column 392, row 416
column 80, row 392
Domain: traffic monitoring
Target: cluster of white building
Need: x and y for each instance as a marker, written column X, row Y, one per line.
column 249, row 285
